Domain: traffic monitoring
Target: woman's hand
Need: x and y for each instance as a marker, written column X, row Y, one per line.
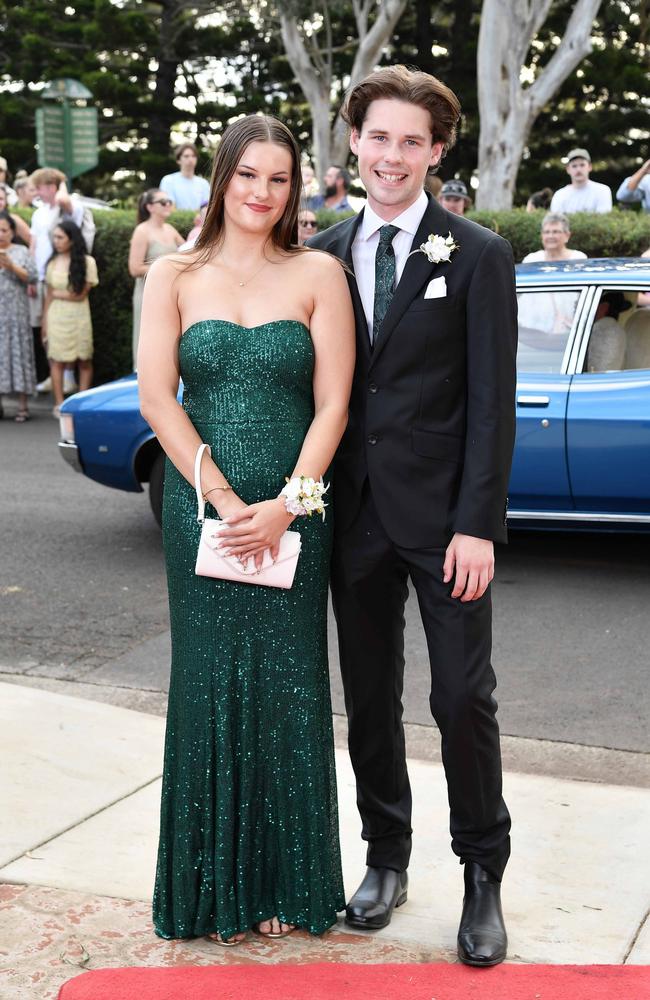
column 256, row 528
column 226, row 502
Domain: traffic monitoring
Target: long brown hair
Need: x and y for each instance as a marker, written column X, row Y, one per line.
column 146, row 198
column 234, row 141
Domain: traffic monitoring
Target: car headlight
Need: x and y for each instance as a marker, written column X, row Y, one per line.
column 66, row 425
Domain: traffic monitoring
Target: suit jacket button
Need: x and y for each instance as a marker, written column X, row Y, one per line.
column 372, row 439
column 373, row 388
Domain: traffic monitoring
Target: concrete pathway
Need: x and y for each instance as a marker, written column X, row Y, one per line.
column 79, row 798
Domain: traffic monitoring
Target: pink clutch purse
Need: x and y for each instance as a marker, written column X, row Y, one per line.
column 209, row 562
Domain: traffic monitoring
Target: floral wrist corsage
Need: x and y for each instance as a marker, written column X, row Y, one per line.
column 304, row 495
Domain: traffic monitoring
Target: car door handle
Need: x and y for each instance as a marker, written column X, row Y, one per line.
column 533, row 400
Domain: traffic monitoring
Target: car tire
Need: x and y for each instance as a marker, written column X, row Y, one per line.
column 156, row 482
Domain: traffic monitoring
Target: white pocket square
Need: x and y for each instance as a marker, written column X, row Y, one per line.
column 436, row 289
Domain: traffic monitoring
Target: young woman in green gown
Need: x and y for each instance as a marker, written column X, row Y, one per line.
column 261, row 333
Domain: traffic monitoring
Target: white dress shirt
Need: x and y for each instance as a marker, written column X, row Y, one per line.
column 365, row 246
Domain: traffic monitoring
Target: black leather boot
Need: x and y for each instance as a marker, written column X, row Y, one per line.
column 373, row 903
column 482, row 939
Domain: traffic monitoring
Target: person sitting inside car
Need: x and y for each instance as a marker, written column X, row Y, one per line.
column 606, row 352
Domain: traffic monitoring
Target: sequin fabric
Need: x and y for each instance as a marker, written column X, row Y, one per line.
column 249, row 825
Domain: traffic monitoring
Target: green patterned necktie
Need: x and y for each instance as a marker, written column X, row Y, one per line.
column 384, row 277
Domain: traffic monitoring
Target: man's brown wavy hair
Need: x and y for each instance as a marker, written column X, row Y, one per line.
column 399, row 83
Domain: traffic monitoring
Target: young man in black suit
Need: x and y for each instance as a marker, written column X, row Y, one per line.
column 420, row 479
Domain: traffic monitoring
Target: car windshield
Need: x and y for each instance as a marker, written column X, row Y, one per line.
column 545, row 322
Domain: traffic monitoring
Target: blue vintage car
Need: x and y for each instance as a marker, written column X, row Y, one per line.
column 582, row 456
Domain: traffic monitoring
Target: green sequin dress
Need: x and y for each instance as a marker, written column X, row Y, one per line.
column 249, row 824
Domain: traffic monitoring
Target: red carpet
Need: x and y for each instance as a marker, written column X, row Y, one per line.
column 364, row 982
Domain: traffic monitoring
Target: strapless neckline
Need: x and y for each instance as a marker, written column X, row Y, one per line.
column 258, row 326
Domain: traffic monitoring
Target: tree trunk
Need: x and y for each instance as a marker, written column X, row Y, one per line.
column 507, row 110
column 312, row 67
column 163, row 113
column 462, row 67
column 424, row 36
column 323, row 150
column 499, row 159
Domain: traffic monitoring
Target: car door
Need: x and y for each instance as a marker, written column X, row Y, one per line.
column 548, row 319
column 608, row 423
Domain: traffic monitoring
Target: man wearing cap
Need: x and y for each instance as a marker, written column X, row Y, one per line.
column 582, row 194
column 454, row 197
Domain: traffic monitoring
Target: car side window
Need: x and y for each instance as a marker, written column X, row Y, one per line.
column 619, row 339
column 546, row 319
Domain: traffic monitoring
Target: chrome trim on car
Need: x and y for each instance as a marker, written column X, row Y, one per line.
column 70, row 454
column 533, row 400
column 572, row 515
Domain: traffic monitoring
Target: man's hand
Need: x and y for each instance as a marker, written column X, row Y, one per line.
column 472, row 561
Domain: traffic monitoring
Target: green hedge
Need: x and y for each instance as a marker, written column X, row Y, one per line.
column 111, row 301
column 614, row 234
column 617, row 234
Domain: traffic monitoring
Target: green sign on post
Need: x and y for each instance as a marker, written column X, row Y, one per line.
column 50, row 136
column 83, row 140
column 67, row 134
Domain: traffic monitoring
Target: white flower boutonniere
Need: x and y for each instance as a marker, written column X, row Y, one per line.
column 437, row 249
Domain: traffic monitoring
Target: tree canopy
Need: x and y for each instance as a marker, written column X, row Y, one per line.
column 162, row 70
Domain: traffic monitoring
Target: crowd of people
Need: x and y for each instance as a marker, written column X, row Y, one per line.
column 47, row 272
column 582, row 194
column 35, row 353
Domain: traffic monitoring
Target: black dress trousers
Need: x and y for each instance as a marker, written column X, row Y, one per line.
column 369, row 591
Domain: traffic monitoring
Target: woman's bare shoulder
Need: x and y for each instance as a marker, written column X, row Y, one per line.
column 319, row 263
column 175, row 263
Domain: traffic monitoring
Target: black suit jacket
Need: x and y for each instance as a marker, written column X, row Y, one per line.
column 432, row 415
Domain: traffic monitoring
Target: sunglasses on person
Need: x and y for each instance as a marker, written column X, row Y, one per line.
column 162, row 201
column 308, row 224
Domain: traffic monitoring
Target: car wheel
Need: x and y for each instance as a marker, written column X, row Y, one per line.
column 156, row 481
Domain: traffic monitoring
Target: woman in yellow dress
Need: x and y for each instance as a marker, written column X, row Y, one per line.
column 67, row 328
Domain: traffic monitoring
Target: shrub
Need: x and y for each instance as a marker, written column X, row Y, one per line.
column 616, row 234
column 328, row 216
column 111, row 301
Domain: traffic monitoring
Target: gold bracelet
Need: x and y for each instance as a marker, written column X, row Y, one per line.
column 224, row 488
